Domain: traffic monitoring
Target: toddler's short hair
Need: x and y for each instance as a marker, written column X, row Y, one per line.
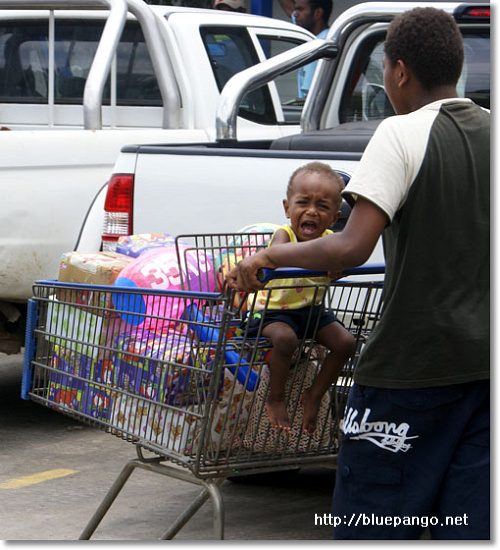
column 320, row 168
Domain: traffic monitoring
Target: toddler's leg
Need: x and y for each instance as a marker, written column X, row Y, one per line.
column 341, row 344
column 284, row 342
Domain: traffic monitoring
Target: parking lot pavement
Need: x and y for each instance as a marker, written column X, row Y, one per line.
column 55, row 471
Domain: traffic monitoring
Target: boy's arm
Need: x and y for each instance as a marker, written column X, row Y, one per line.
column 333, row 253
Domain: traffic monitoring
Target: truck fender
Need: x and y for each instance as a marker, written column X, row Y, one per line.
column 89, row 237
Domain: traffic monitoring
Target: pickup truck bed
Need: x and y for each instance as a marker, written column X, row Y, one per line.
column 190, row 197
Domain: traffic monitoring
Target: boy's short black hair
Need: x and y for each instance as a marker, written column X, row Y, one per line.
column 429, row 42
column 327, row 6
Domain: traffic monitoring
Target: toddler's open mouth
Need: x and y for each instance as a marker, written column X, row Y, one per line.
column 308, row 227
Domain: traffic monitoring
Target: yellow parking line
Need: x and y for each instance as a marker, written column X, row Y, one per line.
column 24, row 481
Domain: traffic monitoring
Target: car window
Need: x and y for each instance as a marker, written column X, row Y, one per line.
column 24, row 63
column 364, row 97
column 136, row 82
column 286, row 85
column 230, row 51
column 474, row 82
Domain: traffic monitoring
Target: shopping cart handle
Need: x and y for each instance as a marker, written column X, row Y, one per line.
column 265, row 274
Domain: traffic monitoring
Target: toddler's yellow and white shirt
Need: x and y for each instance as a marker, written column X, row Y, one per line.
column 298, row 293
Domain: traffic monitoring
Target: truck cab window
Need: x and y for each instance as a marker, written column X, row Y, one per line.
column 74, row 49
column 24, row 63
column 364, row 97
column 136, row 82
column 287, row 84
column 474, row 82
column 230, row 51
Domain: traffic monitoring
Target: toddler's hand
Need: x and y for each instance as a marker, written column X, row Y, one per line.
column 243, row 277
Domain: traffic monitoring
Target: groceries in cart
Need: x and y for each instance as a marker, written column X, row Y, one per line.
column 171, row 267
column 245, row 242
column 150, row 348
column 173, row 371
column 127, row 342
column 136, row 245
column 95, row 268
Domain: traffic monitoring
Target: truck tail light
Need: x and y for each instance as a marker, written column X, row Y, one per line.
column 118, row 210
column 472, row 11
column 479, row 12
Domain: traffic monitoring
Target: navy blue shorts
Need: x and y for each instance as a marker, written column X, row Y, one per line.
column 303, row 320
column 413, row 459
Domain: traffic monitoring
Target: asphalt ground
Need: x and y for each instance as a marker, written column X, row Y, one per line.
column 55, row 471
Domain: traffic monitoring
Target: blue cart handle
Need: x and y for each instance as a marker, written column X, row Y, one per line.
column 265, row 274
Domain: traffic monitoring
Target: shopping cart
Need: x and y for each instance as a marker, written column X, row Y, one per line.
column 175, row 373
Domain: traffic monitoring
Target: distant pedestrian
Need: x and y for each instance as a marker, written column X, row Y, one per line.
column 312, row 15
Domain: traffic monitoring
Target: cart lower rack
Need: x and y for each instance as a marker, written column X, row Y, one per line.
column 176, row 373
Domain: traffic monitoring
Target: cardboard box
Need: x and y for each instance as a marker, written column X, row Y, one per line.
column 231, row 414
column 103, row 372
column 97, row 268
column 68, row 362
column 73, row 363
column 81, row 383
column 76, row 329
column 170, row 429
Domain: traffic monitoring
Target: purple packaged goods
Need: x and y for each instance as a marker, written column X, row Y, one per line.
column 135, row 245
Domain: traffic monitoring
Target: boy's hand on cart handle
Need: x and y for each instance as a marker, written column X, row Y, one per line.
column 335, row 275
column 243, row 277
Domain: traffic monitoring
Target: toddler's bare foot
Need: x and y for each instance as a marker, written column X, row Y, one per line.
column 311, row 409
column 278, row 415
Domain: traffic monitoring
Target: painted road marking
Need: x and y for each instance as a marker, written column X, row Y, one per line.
column 24, row 481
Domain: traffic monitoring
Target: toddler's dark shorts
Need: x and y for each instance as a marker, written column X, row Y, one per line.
column 302, row 321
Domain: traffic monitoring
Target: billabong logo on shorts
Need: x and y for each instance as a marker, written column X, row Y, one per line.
column 385, row 435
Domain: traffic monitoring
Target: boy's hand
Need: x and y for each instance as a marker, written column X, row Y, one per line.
column 243, row 277
column 335, row 275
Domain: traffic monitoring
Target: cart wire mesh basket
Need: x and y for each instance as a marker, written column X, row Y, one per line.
column 176, row 373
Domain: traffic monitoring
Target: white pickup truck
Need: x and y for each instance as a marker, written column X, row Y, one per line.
column 224, row 186
column 81, row 78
